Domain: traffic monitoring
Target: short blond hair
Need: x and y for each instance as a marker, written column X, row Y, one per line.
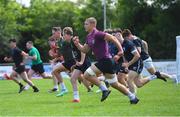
column 92, row 20
column 68, row 30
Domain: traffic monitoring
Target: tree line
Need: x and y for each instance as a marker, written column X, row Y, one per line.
column 157, row 22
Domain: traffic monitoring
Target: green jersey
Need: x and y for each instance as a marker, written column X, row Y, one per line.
column 34, row 52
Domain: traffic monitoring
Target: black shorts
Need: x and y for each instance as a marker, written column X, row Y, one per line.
column 38, row 68
column 121, row 69
column 84, row 66
column 137, row 66
column 69, row 64
column 19, row 69
column 106, row 65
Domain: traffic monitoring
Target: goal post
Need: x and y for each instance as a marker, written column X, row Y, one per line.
column 178, row 58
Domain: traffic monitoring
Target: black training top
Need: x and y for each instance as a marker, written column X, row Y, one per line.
column 138, row 43
column 128, row 48
column 16, row 56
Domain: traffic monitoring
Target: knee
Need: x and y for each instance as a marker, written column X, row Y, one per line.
column 112, row 80
column 89, row 73
column 138, row 84
column 54, row 72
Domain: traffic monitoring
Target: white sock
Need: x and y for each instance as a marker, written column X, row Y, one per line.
column 56, row 86
column 152, row 77
column 101, row 78
column 63, row 87
column 27, row 87
column 103, row 87
column 131, row 96
column 76, row 95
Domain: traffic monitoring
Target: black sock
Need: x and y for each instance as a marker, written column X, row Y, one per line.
column 20, row 84
column 34, row 87
column 157, row 73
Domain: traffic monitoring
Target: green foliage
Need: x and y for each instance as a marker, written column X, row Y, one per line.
column 157, row 23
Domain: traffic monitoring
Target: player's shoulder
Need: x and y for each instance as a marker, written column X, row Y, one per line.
column 99, row 34
column 128, row 42
column 17, row 49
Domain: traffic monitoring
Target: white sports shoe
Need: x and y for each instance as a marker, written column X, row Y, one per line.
column 98, row 91
column 26, row 87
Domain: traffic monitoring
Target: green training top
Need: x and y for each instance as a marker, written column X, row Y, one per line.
column 34, row 52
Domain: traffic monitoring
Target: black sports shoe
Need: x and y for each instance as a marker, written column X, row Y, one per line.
column 107, row 84
column 53, row 90
column 35, row 89
column 134, row 101
column 105, row 94
column 21, row 88
column 160, row 77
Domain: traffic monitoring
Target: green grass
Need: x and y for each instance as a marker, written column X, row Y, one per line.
column 156, row 98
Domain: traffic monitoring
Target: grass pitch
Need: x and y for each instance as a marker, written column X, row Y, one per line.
column 156, row 99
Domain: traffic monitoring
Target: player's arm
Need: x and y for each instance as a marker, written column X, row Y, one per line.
column 114, row 40
column 33, row 57
column 83, row 56
column 8, row 59
column 83, row 48
column 135, row 58
column 138, row 45
column 145, row 45
column 24, row 54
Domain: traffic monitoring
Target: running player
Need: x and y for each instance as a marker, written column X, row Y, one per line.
column 143, row 50
column 55, row 59
column 19, row 68
column 66, row 50
column 82, row 63
column 134, row 64
column 37, row 64
column 97, row 41
column 121, row 71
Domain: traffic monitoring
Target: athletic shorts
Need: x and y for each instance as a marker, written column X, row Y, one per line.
column 69, row 64
column 84, row 66
column 148, row 63
column 121, row 69
column 19, row 69
column 137, row 66
column 106, row 65
column 38, row 68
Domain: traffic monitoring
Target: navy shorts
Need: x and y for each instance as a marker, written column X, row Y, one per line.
column 19, row 69
column 84, row 66
column 38, row 68
column 68, row 64
column 121, row 69
column 106, row 65
column 137, row 66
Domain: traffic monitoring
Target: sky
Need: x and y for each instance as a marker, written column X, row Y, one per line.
column 27, row 2
column 24, row 2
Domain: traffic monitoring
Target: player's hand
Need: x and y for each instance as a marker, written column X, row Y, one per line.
column 6, row 59
column 116, row 58
column 126, row 65
column 76, row 40
column 120, row 53
column 79, row 63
